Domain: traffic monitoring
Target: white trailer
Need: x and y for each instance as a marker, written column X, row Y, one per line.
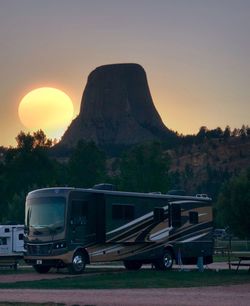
column 11, row 244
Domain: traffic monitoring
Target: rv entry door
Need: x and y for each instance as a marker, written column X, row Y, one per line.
column 82, row 227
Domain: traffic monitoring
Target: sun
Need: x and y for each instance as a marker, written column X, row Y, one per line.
column 46, row 108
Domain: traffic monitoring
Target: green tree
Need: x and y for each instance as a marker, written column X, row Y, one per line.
column 41, row 140
column 29, row 142
column 25, row 141
column 86, row 166
column 26, row 167
column 16, row 208
column 243, row 131
column 233, row 205
column 2, row 192
column 227, row 132
column 145, row 169
column 201, row 135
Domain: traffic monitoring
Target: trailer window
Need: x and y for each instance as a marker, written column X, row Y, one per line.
column 3, row 240
column 123, row 212
column 20, row 236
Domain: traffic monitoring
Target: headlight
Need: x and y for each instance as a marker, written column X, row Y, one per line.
column 59, row 245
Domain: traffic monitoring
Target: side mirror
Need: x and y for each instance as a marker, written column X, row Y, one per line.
column 26, row 229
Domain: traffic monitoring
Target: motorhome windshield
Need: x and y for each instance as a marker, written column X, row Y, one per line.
column 45, row 212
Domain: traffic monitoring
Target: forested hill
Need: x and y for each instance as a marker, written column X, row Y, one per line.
column 203, row 167
column 199, row 163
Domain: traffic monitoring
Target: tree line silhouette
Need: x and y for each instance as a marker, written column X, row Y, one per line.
column 143, row 168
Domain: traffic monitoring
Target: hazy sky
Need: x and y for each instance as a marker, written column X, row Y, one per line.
column 196, row 54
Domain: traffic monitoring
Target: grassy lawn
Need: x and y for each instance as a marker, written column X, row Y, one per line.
column 224, row 258
column 139, row 279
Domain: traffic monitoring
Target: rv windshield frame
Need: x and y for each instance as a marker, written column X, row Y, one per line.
column 46, row 212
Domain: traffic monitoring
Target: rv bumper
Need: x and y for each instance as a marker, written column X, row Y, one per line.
column 56, row 261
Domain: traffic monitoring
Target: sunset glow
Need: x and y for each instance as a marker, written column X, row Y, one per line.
column 46, row 108
column 195, row 54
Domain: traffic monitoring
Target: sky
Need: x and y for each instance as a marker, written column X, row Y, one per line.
column 195, row 53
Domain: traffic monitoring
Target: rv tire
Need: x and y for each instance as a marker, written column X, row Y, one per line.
column 165, row 262
column 132, row 264
column 78, row 263
column 41, row 269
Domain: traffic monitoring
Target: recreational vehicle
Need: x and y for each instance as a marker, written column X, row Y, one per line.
column 11, row 244
column 70, row 227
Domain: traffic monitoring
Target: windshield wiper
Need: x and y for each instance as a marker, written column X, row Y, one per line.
column 52, row 230
column 57, row 228
column 36, row 232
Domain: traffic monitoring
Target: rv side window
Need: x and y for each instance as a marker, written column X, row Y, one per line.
column 123, row 212
column 176, row 215
column 79, row 212
column 20, row 236
column 159, row 214
column 3, row 240
column 193, row 217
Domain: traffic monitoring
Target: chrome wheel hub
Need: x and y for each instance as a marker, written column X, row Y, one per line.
column 168, row 261
column 78, row 263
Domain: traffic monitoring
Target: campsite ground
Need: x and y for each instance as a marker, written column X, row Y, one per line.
column 26, row 273
column 227, row 294
column 206, row 296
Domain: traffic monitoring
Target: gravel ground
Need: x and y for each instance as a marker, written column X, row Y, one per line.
column 30, row 276
column 206, row 296
column 221, row 295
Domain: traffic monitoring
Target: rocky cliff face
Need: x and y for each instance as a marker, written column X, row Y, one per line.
column 116, row 109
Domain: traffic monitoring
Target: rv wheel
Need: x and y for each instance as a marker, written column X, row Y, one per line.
column 41, row 269
column 166, row 262
column 132, row 264
column 78, row 263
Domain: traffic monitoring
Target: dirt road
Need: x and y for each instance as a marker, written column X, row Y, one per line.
column 223, row 295
column 207, row 296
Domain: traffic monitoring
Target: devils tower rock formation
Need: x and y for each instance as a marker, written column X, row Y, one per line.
column 116, row 109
